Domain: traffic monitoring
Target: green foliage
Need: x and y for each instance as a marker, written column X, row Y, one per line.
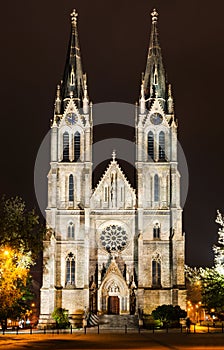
column 168, row 314
column 60, row 315
column 19, row 227
column 213, row 290
column 20, row 244
column 211, row 284
column 14, row 275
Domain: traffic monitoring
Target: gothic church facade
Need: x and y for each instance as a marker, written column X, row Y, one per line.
column 113, row 249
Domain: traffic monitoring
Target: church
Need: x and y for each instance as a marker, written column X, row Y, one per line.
column 113, row 249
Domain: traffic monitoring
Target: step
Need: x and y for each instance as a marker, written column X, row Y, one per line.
column 118, row 321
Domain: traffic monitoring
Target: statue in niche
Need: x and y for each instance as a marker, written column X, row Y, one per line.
column 132, row 302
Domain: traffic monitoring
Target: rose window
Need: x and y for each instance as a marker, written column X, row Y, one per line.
column 114, row 238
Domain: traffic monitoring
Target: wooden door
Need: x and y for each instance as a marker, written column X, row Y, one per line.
column 113, row 305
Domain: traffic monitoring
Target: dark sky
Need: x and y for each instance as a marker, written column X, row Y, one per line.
column 114, row 38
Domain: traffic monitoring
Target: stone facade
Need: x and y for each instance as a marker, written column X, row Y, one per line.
column 113, row 249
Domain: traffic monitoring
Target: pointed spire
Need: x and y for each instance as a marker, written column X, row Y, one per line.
column 142, row 99
column 170, row 100
column 85, row 99
column 73, row 82
column 154, row 78
column 58, row 100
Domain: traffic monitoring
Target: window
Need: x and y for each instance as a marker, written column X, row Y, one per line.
column 156, row 273
column 76, row 146
column 71, row 231
column 70, row 269
column 66, row 147
column 122, row 194
column 162, row 155
column 105, row 194
column 71, row 188
column 151, row 145
column 156, row 188
column 156, row 231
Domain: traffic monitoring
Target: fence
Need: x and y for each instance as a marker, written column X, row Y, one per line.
column 101, row 329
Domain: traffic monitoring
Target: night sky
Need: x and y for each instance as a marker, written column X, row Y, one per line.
column 114, row 39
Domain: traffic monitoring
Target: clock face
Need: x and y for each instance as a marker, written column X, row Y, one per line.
column 71, row 118
column 156, row 118
column 114, row 238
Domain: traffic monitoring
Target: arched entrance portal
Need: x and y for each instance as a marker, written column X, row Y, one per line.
column 113, row 294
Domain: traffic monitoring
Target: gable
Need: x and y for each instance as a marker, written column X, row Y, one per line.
column 113, row 190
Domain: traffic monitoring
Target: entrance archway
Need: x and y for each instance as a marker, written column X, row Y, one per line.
column 113, row 305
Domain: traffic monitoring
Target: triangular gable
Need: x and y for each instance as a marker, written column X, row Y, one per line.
column 156, row 108
column 113, row 189
column 71, row 108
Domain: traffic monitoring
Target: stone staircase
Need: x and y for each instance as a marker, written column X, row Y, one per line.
column 118, row 321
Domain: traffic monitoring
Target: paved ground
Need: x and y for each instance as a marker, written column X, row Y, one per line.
column 163, row 341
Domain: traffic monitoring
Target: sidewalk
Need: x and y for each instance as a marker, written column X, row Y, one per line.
column 174, row 341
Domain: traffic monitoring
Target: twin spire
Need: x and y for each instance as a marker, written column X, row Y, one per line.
column 74, row 81
column 153, row 82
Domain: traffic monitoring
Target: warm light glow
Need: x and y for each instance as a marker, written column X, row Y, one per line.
column 32, row 304
column 212, row 310
column 6, row 252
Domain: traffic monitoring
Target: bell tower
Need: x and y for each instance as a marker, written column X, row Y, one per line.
column 160, row 238
column 66, row 253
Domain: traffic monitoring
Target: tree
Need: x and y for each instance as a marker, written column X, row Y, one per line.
column 14, row 273
column 60, row 315
column 168, row 314
column 218, row 249
column 210, row 281
column 20, row 228
column 21, row 242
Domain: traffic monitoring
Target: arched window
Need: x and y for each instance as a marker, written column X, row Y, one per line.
column 70, row 269
column 66, row 147
column 71, row 231
column 71, row 188
column 76, row 146
column 106, row 196
column 156, row 188
column 156, row 231
column 151, row 145
column 162, row 155
column 156, row 273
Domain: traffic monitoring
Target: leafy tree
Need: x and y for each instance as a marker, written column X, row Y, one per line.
column 14, row 273
column 211, row 284
column 60, row 315
column 168, row 313
column 210, row 281
column 20, row 244
column 20, row 228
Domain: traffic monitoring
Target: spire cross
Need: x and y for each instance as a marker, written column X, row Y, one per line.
column 154, row 15
column 74, row 16
column 113, row 155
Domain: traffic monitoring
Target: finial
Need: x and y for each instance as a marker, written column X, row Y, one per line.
column 169, row 90
column 142, row 89
column 74, row 16
column 71, row 94
column 58, row 90
column 113, row 155
column 154, row 15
